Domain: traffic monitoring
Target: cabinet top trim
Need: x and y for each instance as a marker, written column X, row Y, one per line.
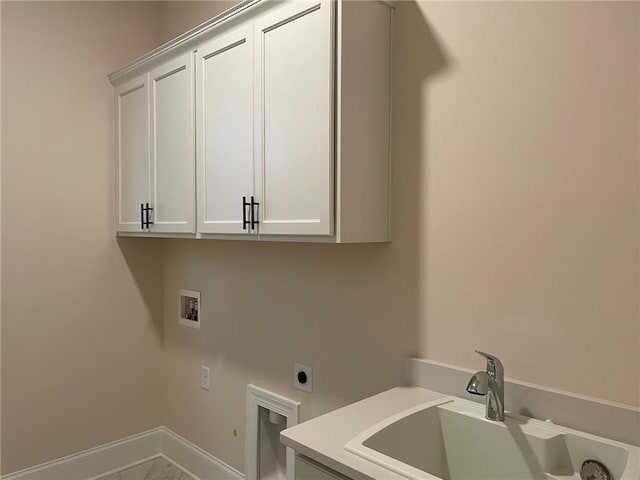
column 122, row 73
column 181, row 39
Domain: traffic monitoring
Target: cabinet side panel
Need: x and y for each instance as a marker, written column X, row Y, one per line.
column 363, row 121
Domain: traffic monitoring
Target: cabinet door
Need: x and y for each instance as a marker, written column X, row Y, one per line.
column 224, row 91
column 307, row 469
column 172, row 146
column 294, row 119
column 132, row 153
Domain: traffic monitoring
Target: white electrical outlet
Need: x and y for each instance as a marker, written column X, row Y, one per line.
column 303, row 377
column 205, row 381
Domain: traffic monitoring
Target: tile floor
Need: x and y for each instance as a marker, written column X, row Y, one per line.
column 156, row 469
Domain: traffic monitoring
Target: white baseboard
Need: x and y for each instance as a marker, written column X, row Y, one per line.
column 96, row 461
column 128, row 452
column 193, row 460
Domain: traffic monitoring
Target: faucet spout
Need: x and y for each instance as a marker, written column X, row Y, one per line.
column 478, row 384
column 491, row 385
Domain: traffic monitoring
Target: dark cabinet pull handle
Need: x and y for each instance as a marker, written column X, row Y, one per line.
column 144, row 216
column 245, row 221
column 148, row 208
column 254, row 214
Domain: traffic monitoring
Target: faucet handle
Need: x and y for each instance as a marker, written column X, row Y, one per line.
column 494, row 365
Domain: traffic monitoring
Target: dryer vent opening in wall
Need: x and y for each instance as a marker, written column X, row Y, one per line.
column 267, row 415
column 189, row 308
column 272, row 459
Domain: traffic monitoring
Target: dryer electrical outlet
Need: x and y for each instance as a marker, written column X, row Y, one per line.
column 303, row 377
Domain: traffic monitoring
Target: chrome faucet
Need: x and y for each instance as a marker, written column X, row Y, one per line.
column 491, row 384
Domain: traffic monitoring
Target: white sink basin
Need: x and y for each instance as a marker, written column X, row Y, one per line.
column 451, row 440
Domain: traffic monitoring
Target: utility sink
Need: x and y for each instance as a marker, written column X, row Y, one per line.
column 450, row 439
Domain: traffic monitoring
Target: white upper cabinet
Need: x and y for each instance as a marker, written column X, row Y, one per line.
column 225, row 133
column 294, row 128
column 287, row 130
column 133, row 162
column 172, row 146
column 155, row 150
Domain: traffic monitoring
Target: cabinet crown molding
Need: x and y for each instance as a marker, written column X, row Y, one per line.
column 172, row 45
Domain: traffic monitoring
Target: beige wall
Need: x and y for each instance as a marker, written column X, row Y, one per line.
column 516, row 209
column 81, row 318
column 530, row 196
column 178, row 17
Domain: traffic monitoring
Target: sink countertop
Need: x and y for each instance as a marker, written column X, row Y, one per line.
column 323, row 438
